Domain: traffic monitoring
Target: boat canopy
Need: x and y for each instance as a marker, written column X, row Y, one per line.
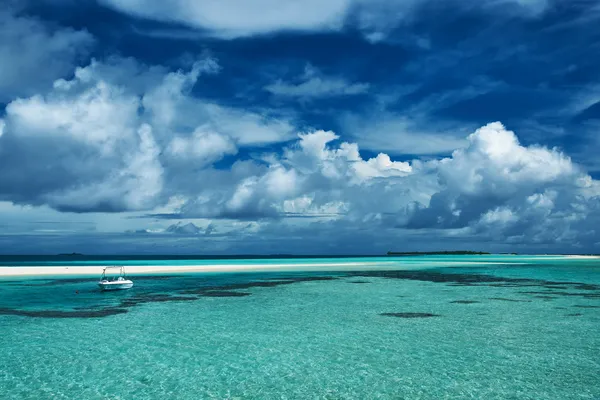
column 108, row 268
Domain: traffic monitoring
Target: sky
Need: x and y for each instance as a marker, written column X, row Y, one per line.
column 286, row 127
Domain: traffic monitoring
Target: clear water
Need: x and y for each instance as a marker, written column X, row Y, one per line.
column 526, row 328
column 183, row 260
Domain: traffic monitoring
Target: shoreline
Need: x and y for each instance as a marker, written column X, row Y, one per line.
column 133, row 270
column 581, row 256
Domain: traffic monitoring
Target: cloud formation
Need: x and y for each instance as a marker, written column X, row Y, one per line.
column 362, row 153
column 238, row 18
column 493, row 189
column 122, row 137
column 312, row 84
column 400, row 134
column 234, row 18
column 494, row 179
column 34, row 54
column 107, row 139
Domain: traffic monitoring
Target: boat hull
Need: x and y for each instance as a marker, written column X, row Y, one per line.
column 107, row 286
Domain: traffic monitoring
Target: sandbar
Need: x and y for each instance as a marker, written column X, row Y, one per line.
column 180, row 269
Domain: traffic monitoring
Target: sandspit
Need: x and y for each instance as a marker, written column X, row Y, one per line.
column 133, row 270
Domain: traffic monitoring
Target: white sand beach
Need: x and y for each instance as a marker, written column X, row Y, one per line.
column 399, row 263
column 583, row 256
column 179, row 269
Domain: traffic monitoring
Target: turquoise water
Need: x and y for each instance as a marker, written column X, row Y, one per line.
column 124, row 260
column 416, row 328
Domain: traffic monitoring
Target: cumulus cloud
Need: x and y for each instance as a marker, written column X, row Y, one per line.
column 493, row 189
column 342, row 163
column 122, row 137
column 93, row 146
column 34, row 55
column 495, row 183
column 315, row 175
column 202, row 146
column 135, row 185
column 79, row 152
column 101, row 140
column 313, row 84
column 238, row 18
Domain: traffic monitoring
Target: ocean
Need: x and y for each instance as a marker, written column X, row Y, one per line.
column 423, row 327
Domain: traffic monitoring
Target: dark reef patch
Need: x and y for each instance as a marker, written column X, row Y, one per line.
column 574, row 315
column 67, row 281
column 452, row 279
column 438, row 277
column 236, row 286
column 512, row 300
column 64, row 314
column 223, row 293
column 544, row 292
column 410, row 315
column 461, row 284
column 254, row 284
column 129, row 300
column 585, row 286
column 298, row 278
column 565, row 294
column 16, row 283
column 512, row 285
column 92, row 307
column 543, row 297
column 153, row 298
column 191, row 289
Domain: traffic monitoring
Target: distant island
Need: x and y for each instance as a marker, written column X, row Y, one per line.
column 70, row 254
column 435, row 253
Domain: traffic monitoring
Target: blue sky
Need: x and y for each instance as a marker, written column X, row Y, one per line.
column 326, row 127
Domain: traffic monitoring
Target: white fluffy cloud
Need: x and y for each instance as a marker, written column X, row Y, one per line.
column 33, row 55
column 315, row 175
column 108, row 139
column 342, row 163
column 238, row 18
column 120, row 136
column 495, row 163
column 202, row 146
column 80, row 149
column 497, row 185
column 493, row 189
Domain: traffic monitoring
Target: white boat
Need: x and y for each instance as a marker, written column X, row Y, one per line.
column 114, row 282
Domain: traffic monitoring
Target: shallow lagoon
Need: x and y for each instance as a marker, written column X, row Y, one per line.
column 417, row 329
